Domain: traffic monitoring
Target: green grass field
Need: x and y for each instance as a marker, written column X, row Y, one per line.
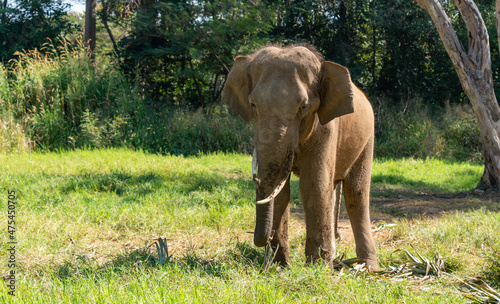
column 85, row 218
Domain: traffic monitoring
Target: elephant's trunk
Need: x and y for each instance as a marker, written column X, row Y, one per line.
column 263, row 225
column 281, row 184
column 265, row 204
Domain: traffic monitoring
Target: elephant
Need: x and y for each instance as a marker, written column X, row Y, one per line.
column 309, row 119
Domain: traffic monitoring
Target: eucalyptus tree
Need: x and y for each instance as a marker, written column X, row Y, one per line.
column 474, row 70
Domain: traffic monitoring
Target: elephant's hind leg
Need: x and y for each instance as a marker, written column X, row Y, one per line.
column 336, row 209
column 357, row 202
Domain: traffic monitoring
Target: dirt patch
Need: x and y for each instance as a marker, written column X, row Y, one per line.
column 432, row 205
column 419, row 205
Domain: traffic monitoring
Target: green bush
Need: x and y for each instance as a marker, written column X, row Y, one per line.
column 49, row 127
column 67, row 100
column 406, row 133
column 185, row 132
column 417, row 131
column 61, row 100
column 461, row 132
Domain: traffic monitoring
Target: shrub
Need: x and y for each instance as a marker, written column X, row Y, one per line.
column 417, row 131
column 100, row 133
column 62, row 94
column 404, row 133
column 184, row 132
column 461, row 132
column 60, row 99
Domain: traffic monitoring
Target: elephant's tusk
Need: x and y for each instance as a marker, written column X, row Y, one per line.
column 284, row 178
column 254, row 167
column 271, row 236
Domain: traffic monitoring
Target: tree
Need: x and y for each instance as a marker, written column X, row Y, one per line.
column 388, row 45
column 474, row 70
column 90, row 25
column 181, row 51
column 28, row 24
column 3, row 7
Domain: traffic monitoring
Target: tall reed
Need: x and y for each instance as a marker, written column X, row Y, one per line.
column 51, row 90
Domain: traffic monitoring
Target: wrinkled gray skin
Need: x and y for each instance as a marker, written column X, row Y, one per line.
column 310, row 109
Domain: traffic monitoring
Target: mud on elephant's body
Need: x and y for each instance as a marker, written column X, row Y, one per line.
column 311, row 119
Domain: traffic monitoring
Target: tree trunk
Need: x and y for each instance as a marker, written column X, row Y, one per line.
column 474, row 72
column 145, row 4
column 105, row 8
column 4, row 6
column 198, row 87
column 90, row 26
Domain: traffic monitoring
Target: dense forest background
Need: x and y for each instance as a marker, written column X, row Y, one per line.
column 161, row 65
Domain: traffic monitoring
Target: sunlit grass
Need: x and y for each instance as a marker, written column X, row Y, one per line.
column 85, row 217
column 429, row 176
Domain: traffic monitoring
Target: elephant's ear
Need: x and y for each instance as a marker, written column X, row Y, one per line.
column 237, row 88
column 336, row 92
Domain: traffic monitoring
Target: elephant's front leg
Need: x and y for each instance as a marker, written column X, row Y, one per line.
column 316, row 191
column 280, row 226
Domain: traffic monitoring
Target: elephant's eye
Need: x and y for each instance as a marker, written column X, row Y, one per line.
column 253, row 107
column 304, row 109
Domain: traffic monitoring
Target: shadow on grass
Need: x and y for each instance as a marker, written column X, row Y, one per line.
column 203, row 181
column 240, row 256
column 129, row 186
column 83, row 266
column 115, row 182
column 394, row 196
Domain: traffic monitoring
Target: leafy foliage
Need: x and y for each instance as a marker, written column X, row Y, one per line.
column 389, row 46
column 60, row 99
column 179, row 51
column 28, row 24
column 64, row 100
column 171, row 57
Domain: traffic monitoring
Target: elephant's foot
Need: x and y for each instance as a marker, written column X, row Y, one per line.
column 319, row 253
column 281, row 253
column 282, row 259
column 372, row 264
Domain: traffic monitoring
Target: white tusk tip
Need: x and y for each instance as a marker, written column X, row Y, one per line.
column 264, row 201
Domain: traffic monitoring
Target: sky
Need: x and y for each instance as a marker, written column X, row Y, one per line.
column 77, row 6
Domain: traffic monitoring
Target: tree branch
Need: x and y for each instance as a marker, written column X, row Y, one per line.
column 479, row 41
column 104, row 12
column 446, row 31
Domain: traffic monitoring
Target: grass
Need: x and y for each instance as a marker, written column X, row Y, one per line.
column 85, row 218
column 430, row 175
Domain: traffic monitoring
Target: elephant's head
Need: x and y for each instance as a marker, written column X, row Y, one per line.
column 288, row 91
